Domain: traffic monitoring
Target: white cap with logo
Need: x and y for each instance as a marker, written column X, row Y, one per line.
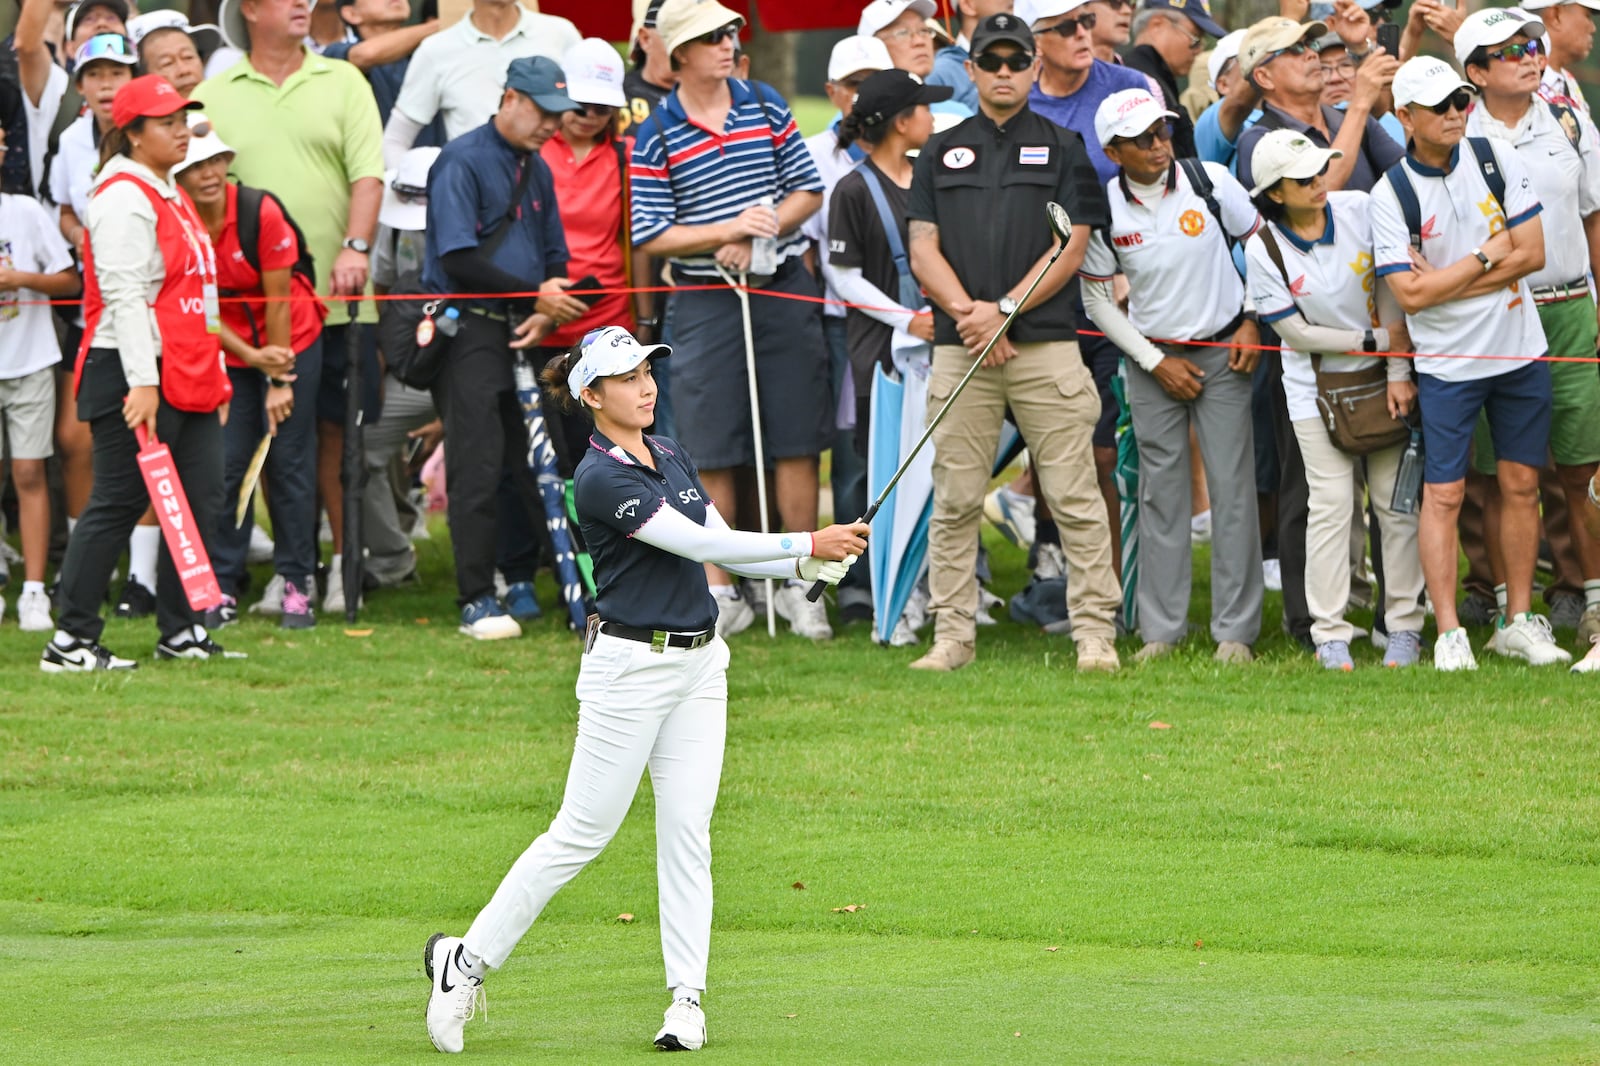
column 594, row 73
column 1127, row 113
column 878, row 14
column 1227, row 48
column 607, row 351
column 1425, row 80
column 1540, row 5
column 1492, row 26
column 855, row 54
column 1287, row 154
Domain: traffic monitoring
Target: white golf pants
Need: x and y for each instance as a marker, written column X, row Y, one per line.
column 636, row 708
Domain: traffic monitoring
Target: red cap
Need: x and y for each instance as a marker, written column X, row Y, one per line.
column 151, row 96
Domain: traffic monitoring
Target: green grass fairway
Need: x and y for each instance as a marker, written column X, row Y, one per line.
column 240, row 862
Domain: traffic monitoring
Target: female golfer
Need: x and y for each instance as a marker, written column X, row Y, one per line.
column 149, row 360
column 652, row 689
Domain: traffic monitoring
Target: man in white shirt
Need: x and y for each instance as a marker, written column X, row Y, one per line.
column 1569, row 25
column 1172, row 241
column 1456, row 251
column 460, row 72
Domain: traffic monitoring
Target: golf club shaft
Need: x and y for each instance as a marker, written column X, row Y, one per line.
column 815, row 590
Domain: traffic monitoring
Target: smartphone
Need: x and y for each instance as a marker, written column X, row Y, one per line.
column 581, row 287
column 1389, row 38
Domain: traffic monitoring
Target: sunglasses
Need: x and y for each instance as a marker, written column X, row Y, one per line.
column 200, row 129
column 1459, row 100
column 1305, row 183
column 1299, row 48
column 990, row 63
column 104, row 46
column 1118, row 5
column 597, row 110
column 410, row 194
column 1069, row 27
column 1506, row 53
column 717, row 36
column 1147, row 140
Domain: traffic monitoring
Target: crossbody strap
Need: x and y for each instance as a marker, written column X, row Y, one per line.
column 891, row 228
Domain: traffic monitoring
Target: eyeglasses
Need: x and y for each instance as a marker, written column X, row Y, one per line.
column 1459, row 100
column 1346, row 67
column 597, row 110
column 990, row 63
column 1147, row 140
column 717, row 36
column 914, row 33
column 1312, row 180
column 1069, row 27
column 1509, row 52
column 1194, row 39
column 410, row 194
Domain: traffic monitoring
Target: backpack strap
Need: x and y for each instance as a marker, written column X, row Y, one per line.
column 891, row 228
column 1492, row 174
column 1410, row 207
column 1201, row 183
column 250, row 201
column 1567, row 118
column 627, row 210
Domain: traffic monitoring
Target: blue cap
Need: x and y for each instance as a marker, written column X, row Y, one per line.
column 1198, row 11
column 541, row 80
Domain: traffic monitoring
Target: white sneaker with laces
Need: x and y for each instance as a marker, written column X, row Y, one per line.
column 1528, row 637
column 33, row 612
column 333, row 599
column 807, row 619
column 1452, row 651
column 454, row 996
column 1272, row 575
column 1590, row 663
column 261, row 547
column 685, row 1028
column 271, row 601
column 734, row 615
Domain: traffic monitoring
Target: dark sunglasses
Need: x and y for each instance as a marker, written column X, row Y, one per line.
column 597, row 110
column 1459, row 100
column 1299, row 48
column 1506, row 53
column 1305, row 183
column 717, row 36
column 1069, row 27
column 200, row 129
column 1147, row 140
column 990, row 63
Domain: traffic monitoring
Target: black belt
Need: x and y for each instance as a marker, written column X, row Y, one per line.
column 484, row 312
column 658, row 639
column 1227, row 332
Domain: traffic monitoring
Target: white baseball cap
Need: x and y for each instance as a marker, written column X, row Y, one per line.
column 405, row 191
column 1127, row 113
column 607, row 351
column 202, row 146
column 1033, row 11
column 1492, row 26
column 1425, row 80
column 206, row 37
column 857, row 53
column 594, row 73
column 1227, row 48
column 1540, row 5
column 878, row 14
column 1287, row 154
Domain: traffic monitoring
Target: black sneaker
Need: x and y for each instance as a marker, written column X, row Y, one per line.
column 193, row 643
column 136, row 601
column 80, row 656
column 223, row 614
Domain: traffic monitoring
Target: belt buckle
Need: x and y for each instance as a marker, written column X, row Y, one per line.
column 700, row 640
column 658, row 641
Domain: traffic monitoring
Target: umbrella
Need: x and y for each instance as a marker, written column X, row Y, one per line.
column 353, row 471
column 1126, row 475
column 542, row 462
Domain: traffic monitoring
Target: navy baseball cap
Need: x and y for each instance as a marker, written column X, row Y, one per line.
column 542, row 80
column 1198, row 12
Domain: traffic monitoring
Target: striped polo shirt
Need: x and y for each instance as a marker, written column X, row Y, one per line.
column 685, row 174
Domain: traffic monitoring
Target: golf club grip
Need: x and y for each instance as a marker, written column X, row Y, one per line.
column 814, row 593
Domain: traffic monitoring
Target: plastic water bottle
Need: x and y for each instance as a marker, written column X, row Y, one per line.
column 1408, row 479
column 450, row 321
column 764, row 250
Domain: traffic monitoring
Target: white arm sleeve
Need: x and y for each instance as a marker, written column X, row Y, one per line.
column 1102, row 307
column 779, row 569
column 1302, row 336
column 674, row 532
column 854, row 288
column 398, row 137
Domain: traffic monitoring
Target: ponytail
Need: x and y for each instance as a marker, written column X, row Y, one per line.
column 556, row 375
column 869, row 129
column 117, row 142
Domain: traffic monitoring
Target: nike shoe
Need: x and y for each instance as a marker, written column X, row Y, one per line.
column 223, row 614
column 685, row 1028
column 454, row 996
column 66, row 654
column 136, row 601
column 193, row 642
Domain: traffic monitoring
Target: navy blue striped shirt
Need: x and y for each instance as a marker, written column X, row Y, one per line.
column 684, row 174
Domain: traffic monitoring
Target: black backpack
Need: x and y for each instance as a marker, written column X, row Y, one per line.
column 250, row 203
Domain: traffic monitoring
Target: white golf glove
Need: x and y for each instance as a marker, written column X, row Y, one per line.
column 813, row 569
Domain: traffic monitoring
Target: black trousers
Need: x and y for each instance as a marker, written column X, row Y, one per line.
column 485, row 439
column 118, row 499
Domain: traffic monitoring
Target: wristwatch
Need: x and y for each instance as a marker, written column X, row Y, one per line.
column 1488, row 264
column 1006, row 305
column 1369, row 342
column 356, row 244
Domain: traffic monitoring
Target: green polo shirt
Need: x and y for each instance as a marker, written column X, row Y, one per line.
column 306, row 141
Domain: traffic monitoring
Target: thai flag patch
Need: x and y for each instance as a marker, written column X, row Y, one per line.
column 1033, row 156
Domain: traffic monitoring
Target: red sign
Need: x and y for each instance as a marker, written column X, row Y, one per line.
column 184, row 540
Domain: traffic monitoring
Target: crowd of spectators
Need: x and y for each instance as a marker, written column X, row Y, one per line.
column 1323, row 300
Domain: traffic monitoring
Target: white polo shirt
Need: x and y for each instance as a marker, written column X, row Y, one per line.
column 460, row 72
column 1458, row 214
column 1330, row 284
column 1565, row 178
column 1182, row 284
column 30, row 241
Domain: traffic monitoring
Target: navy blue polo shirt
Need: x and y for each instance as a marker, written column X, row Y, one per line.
column 469, row 189
column 636, row 584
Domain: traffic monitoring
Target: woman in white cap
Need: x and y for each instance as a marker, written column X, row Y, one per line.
column 1328, row 315
column 271, row 337
column 652, row 689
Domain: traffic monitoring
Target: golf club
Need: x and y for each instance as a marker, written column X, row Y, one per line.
column 1061, row 225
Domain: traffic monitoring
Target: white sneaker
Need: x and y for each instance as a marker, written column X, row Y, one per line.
column 807, row 618
column 1200, row 528
column 734, row 615
column 33, row 612
column 454, row 997
column 903, row 635
column 1452, row 651
column 1529, row 638
column 685, row 1028
column 1050, row 562
column 916, row 612
column 1590, row 663
column 261, row 547
column 1272, row 574
column 333, row 599
column 271, row 602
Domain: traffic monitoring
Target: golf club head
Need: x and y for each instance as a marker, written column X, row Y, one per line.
column 1060, row 221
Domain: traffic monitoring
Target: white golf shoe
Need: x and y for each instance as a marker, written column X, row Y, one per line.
column 734, row 615
column 808, row 619
column 685, row 1028
column 1528, row 637
column 455, row 995
column 1452, row 652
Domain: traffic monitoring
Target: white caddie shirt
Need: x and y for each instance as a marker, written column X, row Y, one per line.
column 1182, row 284
column 1459, row 213
column 1566, row 178
column 1330, row 284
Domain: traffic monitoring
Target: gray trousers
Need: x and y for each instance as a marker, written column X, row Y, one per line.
column 1220, row 416
column 390, row 556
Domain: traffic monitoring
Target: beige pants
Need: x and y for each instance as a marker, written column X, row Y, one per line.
column 1330, row 474
column 1053, row 399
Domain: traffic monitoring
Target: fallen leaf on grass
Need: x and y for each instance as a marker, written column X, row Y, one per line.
column 1198, row 944
column 850, row 908
column 1057, row 948
column 624, row 917
column 1017, row 1033
column 420, row 621
column 1159, row 725
column 791, row 1015
column 358, row 632
column 798, row 886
